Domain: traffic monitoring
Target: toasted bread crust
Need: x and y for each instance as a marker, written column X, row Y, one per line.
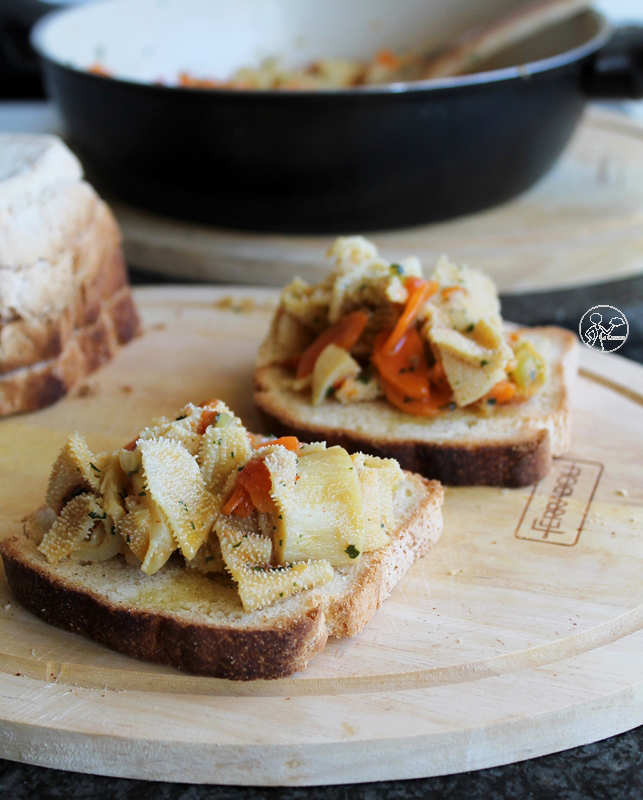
column 511, row 465
column 270, row 649
column 88, row 348
column 159, row 637
column 494, row 461
column 413, row 539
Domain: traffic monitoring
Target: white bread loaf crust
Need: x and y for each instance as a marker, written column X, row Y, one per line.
column 511, row 446
column 65, row 305
column 98, row 272
column 44, row 206
column 88, row 348
column 207, row 632
column 31, row 164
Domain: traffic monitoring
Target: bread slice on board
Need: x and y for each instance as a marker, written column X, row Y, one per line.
column 512, row 445
column 180, row 617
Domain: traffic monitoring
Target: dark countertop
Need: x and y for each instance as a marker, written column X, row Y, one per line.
column 612, row 768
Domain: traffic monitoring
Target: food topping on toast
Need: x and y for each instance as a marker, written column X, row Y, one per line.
column 274, row 514
column 373, row 330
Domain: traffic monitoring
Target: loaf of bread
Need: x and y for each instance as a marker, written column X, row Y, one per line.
column 65, row 303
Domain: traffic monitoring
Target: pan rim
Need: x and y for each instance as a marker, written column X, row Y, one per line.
column 521, row 71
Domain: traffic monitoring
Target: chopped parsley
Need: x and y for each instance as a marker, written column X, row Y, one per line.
column 484, row 362
column 94, row 467
column 142, row 494
column 96, row 515
column 192, row 524
column 330, row 391
column 181, row 416
column 397, row 269
column 471, row 327
column 491, row 401
column 351, row 551
column 236, row 545
column 363, row 377
column 208, row 559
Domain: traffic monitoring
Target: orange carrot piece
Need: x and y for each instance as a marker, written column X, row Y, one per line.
column 419, row 408
column 387, row 58
column 239, row 502
column 412, row 283
column 130, row 445
column 344, row 333
column 289, row 442
column 502, row 392
column 99, row 69
column 417, row 298
column 439, row 378
column 451, row 290
column 255, row 479
column 406, row 367
column 208, row 416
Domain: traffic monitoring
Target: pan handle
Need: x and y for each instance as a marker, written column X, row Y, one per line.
column 617, row 69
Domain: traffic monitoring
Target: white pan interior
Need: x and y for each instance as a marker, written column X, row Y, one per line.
column 154, row 40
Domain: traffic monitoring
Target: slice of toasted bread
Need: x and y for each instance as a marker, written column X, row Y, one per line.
column 180, row 617
column 512, row 445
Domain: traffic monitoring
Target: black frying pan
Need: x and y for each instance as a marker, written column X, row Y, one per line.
column 326, row 161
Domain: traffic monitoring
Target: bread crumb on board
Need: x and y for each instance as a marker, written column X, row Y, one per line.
column 86, row 390
column 622, row 492
column 244, row 305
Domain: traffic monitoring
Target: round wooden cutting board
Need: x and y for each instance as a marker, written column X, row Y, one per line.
column 581, row 225
column 519, row 634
